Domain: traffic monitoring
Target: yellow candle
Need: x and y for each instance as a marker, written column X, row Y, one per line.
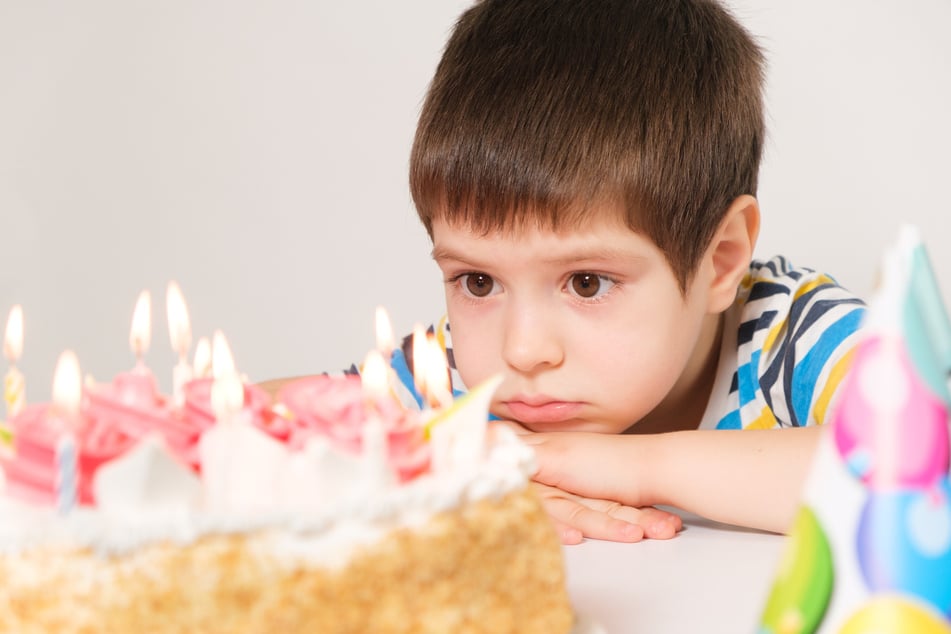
column 14, row 385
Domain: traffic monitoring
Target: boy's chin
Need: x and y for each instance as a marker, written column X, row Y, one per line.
column 566, row 426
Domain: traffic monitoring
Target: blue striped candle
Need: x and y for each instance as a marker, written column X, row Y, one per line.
column 67, row 474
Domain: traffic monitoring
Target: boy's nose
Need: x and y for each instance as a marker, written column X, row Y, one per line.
column 530, row 340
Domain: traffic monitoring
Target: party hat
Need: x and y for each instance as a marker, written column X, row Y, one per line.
column 870, row 548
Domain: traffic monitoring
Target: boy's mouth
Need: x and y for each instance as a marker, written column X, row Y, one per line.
column 533, row 410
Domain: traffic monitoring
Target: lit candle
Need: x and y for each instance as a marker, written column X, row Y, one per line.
column 373, row 378
column 384, row 333
column 420, row 354
column 67, row 394
column 180, row 333
column 140, row 333
column 14, row 385
column 222, row 361
column 387, row 348
column 227, row 398
column 434, row 369
column 202, row 362
column 375, row 385
column 241, row 465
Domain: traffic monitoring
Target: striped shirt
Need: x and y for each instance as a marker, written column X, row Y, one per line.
column 787, row 342
column 786, row 345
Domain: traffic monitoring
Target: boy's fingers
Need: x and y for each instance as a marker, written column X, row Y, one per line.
column 568, row 535
column 657, row 524
column 591, row 523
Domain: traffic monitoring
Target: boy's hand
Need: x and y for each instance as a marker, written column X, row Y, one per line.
column 589, row 489
column 576, row 517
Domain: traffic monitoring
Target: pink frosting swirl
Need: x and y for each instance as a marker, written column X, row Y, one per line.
column 31, row 470
column 335, row 407
column 132, row 404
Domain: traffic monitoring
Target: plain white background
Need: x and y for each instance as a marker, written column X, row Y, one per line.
column 256, row 152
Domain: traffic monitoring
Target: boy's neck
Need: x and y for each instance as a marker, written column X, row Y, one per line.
column 683, row 408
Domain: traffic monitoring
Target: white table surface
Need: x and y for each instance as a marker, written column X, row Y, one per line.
column 711, row 578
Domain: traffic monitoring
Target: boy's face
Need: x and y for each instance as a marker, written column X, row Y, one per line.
column 588, row 326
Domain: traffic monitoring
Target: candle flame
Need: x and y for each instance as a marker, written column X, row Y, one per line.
column 437, row 371
column 179, row 325
column 67, row 384
column 140, row 334
column 430, row 369
column 374, row 376
column 13, row 340
column 202, row 362
column 222, row 361
column 384, row 332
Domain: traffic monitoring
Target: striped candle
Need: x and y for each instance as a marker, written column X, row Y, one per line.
column 67, row 396
column 67, row 474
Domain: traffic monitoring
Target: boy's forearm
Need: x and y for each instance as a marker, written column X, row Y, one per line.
column 750, row 478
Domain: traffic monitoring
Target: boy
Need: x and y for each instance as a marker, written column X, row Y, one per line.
column 587, row 172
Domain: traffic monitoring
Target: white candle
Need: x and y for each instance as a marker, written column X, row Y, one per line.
column 217, row 446
column 374, row 435
column 180, row 333
column 14, row 385
column 241, row 465
column 67, row 395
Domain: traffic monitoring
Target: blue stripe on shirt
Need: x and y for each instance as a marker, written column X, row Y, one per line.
column 731, row 421
column 748, row 375
column 399, row 365
column 806, row 372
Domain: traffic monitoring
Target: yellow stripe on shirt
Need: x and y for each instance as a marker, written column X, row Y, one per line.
column 765, row 420
column 838, row 371
column 821, row 280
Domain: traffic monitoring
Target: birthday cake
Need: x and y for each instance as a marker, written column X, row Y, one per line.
column 331, row 509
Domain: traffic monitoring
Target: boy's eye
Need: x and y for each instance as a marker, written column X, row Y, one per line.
column 589, row 285
column 478, row 284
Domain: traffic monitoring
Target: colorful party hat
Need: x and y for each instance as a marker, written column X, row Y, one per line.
column 870, row 549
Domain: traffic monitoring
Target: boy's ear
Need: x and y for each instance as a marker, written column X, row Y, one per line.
column 731, row 251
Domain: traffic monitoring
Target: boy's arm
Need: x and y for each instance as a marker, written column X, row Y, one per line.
column 273, row 386
column 748, row 478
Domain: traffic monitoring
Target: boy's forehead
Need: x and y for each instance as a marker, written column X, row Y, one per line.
column 512, row 224
column 598, row 237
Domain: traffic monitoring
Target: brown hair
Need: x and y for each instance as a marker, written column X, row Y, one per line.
column 540, row 109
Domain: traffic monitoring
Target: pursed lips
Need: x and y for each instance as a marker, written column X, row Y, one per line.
column 541, row 409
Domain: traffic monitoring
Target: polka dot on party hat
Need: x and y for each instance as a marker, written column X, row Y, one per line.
column 904, row 543
column 889, row 428
column 802, row 589
column 894, row 615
